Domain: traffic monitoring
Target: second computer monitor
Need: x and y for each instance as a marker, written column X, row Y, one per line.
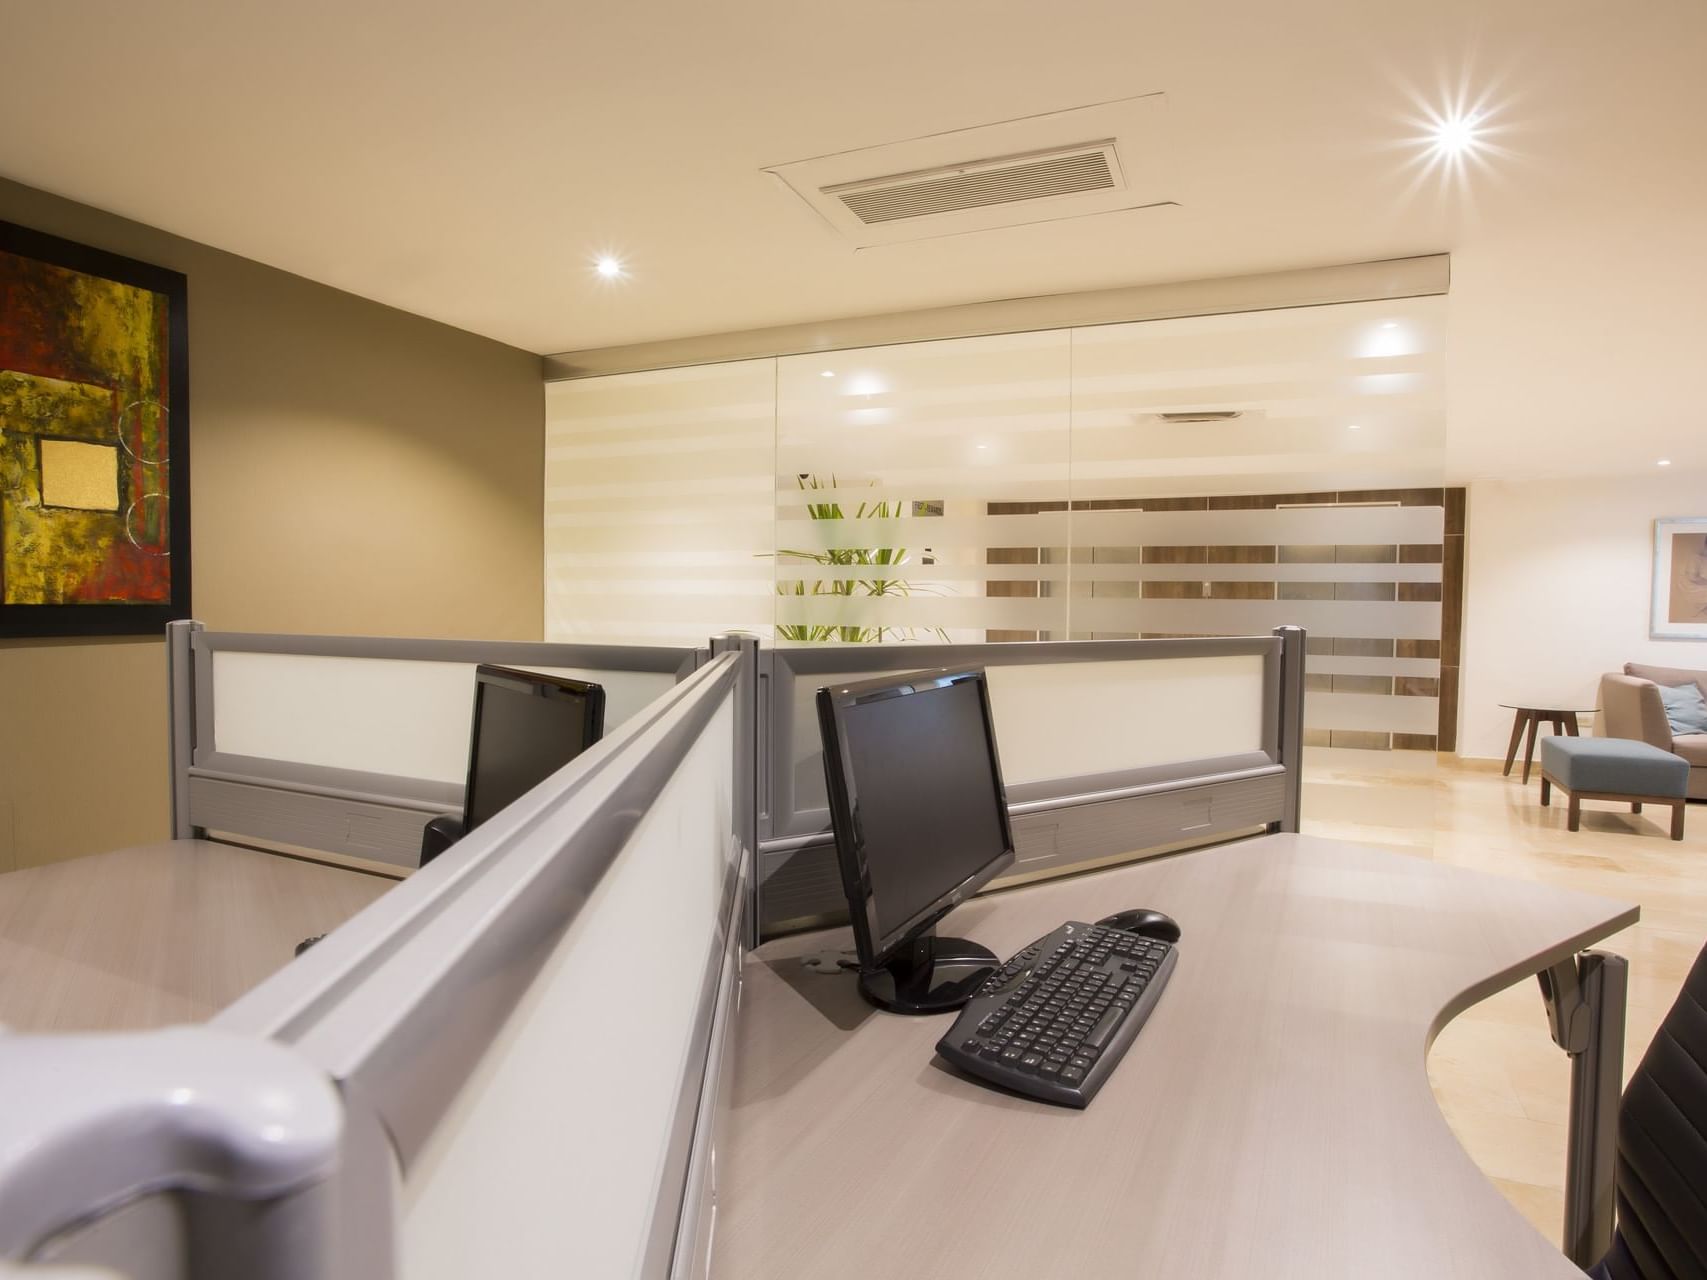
column 527, row 726
column 921, row 823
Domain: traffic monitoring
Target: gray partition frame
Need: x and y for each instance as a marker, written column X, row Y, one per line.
column 1059, row 825
column 312, row 1195
column 339, row 811
column 382, row 1040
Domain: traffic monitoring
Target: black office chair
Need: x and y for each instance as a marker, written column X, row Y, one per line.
column 1662, row 1150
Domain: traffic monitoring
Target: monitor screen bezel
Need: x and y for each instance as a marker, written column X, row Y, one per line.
column 591, row 696
column 874, row 949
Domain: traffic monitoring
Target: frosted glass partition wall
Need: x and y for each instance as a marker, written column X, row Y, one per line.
column 658, row 504
column 1212, row 475
column 1234, row 473
column 887, row 462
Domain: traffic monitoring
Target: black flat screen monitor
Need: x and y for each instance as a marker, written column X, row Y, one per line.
column 527, row 726
column 921, row 824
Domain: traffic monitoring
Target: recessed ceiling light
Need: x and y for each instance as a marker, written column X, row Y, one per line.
column 609, row 268
column 1454, row 134
column 1665, row 462
column 1390, row 324
column 1354, row 426
column 1458, row 133
column 828, row 373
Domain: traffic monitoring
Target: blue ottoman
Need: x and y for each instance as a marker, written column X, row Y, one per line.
column 1614, row 769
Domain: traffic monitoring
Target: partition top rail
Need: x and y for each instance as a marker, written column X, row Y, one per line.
column 915, row 657
column 468, row 935
column 669, row 659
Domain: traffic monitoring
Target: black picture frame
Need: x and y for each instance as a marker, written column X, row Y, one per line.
column 106, row 619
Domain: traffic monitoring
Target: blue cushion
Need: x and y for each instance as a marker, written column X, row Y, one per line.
column 1685, row 708
column 1618, row 766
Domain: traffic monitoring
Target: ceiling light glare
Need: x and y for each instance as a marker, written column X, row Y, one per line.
column 1354, row 426
column 609, row 268
column 1457, row 134
column 1453, row 134
column 828, row 373
column 1665, row 462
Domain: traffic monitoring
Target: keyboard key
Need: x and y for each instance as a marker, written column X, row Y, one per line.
column 1104, row 1029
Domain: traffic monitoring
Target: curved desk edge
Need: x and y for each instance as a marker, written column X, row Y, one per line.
column 1274, row 1117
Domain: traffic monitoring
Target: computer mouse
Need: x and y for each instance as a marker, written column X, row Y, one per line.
column 1144, row 922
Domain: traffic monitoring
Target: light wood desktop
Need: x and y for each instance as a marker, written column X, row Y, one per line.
column 159, row 934
column 1273, row 1118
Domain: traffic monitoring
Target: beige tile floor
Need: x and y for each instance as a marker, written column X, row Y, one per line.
column 1501, row 1082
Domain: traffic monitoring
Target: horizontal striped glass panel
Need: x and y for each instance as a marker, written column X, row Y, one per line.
column 658, row 508
column 887, row 459
column 1200, row 476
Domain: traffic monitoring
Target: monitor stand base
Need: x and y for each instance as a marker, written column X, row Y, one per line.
column 929, row 975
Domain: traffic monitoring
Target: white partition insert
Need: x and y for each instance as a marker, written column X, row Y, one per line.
column 550, row 1161
column 1080, row 719
column 403, row 717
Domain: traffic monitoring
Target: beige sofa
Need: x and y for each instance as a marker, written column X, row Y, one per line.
column 1630, row 707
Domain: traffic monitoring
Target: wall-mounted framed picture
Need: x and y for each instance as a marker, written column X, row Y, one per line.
column 94, row 440
column 1680, row 578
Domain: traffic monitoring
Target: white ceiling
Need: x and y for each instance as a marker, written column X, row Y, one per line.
column 467, row 161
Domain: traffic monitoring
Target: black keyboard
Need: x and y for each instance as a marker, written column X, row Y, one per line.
column 1055, row 1019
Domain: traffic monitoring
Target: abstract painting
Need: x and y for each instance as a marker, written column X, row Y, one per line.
column 1680, row 579
column 94, row 441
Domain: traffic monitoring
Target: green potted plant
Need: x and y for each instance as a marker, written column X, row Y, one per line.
column 865, row 577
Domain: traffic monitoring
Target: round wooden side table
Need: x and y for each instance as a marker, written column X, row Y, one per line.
column 1563, row 718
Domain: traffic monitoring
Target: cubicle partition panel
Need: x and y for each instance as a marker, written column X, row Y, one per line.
column 511, row 1063
column 505, row 1066
column 1111, row 749
column 350, row 744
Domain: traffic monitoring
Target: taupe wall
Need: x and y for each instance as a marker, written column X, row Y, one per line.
column 355, row 469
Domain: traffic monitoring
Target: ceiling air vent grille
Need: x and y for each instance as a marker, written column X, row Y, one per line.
column 978, row 184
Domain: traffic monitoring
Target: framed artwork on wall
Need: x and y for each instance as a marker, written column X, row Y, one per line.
column 94, row 441
column 1680, row 578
